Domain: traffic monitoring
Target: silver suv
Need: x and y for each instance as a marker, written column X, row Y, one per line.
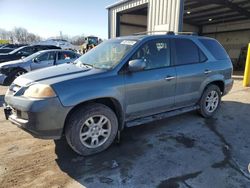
column 10, row 70
column 122, row 82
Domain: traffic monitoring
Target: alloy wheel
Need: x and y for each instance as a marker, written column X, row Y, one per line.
column 95, row 131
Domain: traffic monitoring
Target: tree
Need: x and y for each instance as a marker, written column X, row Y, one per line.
column 77, row 40
column 19, row 35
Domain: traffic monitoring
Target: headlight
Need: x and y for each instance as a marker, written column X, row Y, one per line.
column 39, row 91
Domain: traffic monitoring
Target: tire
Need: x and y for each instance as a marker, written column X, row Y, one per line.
column 205, row 110
column 80, row 122
column 13, row 75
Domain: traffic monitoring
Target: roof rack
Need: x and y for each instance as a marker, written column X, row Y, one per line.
column 186, row 33
column 166, row 32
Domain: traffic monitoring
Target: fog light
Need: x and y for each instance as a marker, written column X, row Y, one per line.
column 24, row 115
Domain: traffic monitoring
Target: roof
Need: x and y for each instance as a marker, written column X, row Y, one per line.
column 117, row 4
column 55, row 50
column 156, row 36
column 206, row 12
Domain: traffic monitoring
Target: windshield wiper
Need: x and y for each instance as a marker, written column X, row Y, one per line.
column 86, row 65
column 81, row 64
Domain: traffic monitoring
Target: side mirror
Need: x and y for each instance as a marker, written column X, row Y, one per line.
column 35, row 60
column 136, row 65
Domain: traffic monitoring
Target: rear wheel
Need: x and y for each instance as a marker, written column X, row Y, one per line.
column 210, row 101
column 91, row 129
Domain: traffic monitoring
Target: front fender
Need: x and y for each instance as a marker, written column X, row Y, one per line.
column 74, row 92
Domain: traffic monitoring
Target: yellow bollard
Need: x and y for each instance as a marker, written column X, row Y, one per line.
column 246, row 80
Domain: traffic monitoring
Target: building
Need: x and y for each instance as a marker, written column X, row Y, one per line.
column 226, row 20
column 133, row 16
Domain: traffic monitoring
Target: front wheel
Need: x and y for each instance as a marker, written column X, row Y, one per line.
column 91, row 129
column 210, row 101
column 13, row 75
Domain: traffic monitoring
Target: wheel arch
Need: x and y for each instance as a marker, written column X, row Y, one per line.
column 217, row 80
column 18, row 68
column 219, row 83
column 110, row 102
column 10, row 74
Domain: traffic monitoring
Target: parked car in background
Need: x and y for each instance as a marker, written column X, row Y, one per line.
column 10, row 47
column 12, row 69
column 123, row 82
column 24, row 52
column 6, row 50
column 63, row 44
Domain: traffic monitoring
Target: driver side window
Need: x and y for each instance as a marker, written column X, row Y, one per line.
column 46, row 57
column 25, row 51
column 155, row 53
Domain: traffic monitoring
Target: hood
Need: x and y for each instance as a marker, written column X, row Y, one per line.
column 11, row 63
column 55, row 74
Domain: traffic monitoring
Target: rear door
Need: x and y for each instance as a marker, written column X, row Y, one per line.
column 152, row 90
column 191, row 68
column 46, row 59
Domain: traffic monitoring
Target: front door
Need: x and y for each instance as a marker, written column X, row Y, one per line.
column 152, row 90
column 46, row 59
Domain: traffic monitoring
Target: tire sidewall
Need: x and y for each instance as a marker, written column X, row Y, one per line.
column 77, row 120
column 203, row 109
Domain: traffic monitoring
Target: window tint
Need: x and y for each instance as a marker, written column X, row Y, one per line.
column 186, row 52
column 47, row 56
column 203, row 58
column 215, row 48
column 155, row 53
column 65, row 55
column 26, row 51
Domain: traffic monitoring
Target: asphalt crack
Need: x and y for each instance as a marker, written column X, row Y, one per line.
column 226, row 150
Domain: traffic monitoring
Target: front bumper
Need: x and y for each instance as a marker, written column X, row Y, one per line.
column 41, row 118
column 2, row 78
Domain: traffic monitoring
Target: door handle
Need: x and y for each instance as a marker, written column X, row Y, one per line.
column 207, row 71
column 168, row 78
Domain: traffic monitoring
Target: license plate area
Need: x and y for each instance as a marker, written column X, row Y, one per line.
column 7, row 111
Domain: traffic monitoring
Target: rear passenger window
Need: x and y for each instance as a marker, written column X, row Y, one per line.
column 187, row 52
column 215, row 48
column 65, row 55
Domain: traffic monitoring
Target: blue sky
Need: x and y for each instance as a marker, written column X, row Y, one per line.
column 48, row 17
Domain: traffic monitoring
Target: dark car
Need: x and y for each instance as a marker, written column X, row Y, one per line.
column 122, row 82
column 24, row 52
column 6, row 48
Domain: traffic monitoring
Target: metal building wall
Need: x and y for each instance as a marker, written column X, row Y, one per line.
column 162, row 14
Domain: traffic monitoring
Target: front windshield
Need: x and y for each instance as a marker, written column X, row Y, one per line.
column 93, row 40
column 16, row 50
column 107, row 55
column 31, row 56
